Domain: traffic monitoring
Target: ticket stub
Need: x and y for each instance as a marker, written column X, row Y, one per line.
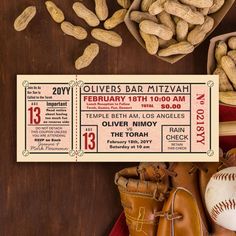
column 107, row 118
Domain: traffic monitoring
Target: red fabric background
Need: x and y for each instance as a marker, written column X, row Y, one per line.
column 226, row 114
column 120, row 228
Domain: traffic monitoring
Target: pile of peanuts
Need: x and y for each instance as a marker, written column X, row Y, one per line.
column 225, row 56
column 171, row 27
column 92, row 19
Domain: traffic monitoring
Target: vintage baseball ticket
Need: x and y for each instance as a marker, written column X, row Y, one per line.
column 69, row 118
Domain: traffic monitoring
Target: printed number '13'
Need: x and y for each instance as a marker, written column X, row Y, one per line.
column 89, row 141
column 35, row 117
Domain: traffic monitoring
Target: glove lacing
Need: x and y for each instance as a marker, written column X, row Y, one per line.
column 169, row 215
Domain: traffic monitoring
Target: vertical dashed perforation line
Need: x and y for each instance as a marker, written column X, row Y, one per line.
column 76, row 119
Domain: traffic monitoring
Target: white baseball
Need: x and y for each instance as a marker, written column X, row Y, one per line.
column 220, row 198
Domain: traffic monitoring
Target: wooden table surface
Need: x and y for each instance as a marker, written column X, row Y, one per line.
column 65, row 199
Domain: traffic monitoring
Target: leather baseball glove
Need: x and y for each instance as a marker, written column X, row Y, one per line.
column 168, row 199
column 142, row 193
column 185, row 175
column 181, row 216
column 194, row 177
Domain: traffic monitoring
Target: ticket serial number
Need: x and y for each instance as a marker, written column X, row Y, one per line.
column 137, row 118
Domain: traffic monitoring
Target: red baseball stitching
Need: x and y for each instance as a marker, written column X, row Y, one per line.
column 225, row 176
column 221, row 207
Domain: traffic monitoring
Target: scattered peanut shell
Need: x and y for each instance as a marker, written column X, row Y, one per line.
column 228, row 97
column 24, row 18
column 151, row 42
column 88, row 56
column 230, row 69
column 145, row 4
column 224, row 83
column 232, row 43
column 232, row 55
column 101, row 9
column 184, row 12
column 181, row 48
column 220, row 50
column 156, row 7
column 109, row 37
column 198, row 3
column 124, row 3
column 139, row 16
column 217, row 4
column 198, row 34
column 181, row 30
column 77, row 32
column 83, row 12
column 55, row 12
column 160, row 30
column 166, row 20
column 116, row 19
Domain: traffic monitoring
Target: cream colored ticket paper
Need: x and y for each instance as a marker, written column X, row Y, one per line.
column 108, row 118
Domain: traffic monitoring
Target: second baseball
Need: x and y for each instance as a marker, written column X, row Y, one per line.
column 220, row 198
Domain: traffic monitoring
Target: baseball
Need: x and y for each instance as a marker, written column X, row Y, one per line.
column 220, row 198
